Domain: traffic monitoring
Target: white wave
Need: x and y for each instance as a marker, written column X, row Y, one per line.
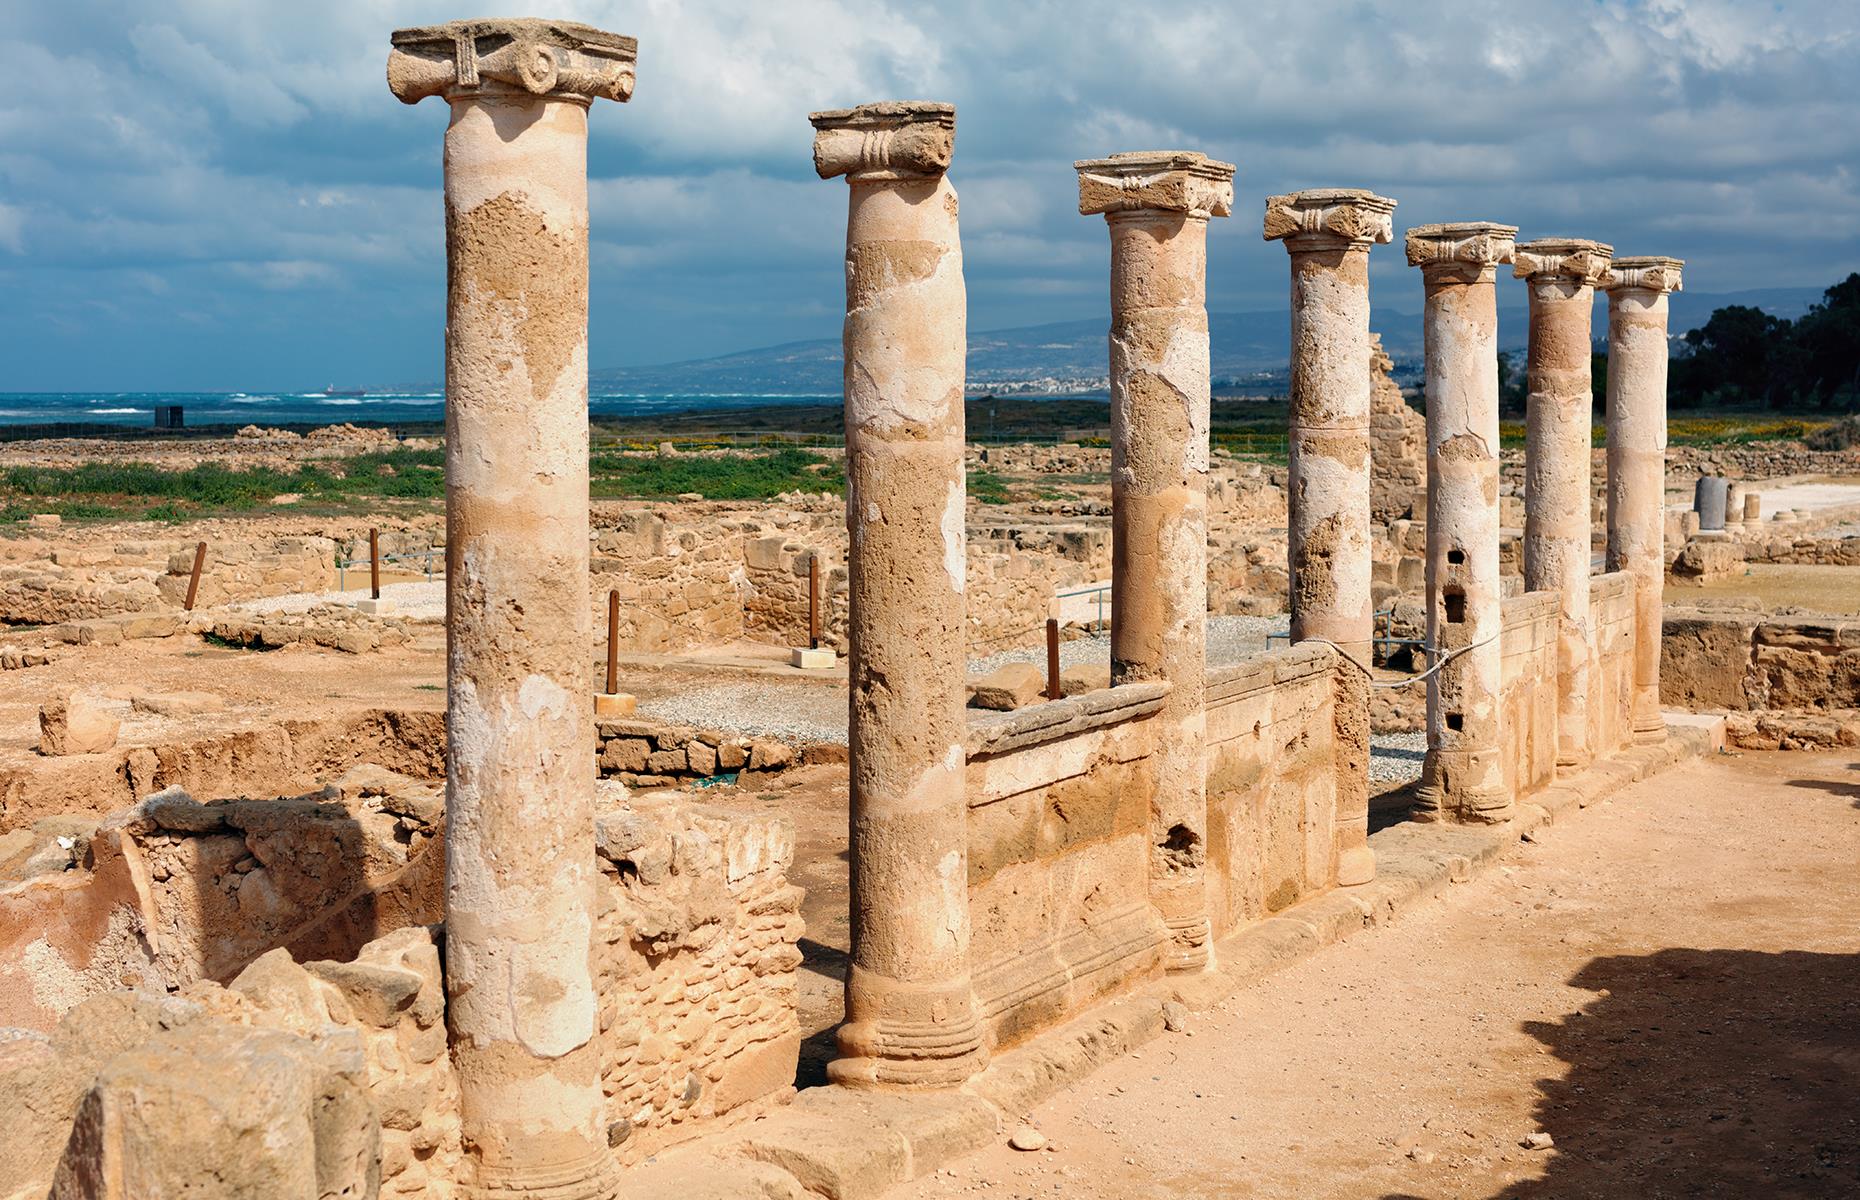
column 337, row 402
column 113, row 412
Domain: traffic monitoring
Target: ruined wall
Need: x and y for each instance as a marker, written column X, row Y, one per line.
column 1527, row 697
column 695, row 959
column 1014, row 571
column 1272, row 788
column 1611, row 618
column 1746, row 662
column 1397, row 445
column 1059, row 804
column 43, row 582
column 1808, row 551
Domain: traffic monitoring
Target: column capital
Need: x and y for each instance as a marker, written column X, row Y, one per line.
column 1466, row 250
column 1645, row 273
column 1182, row 181
column 893, row 139
column 1354, row 217
column 560, row 59
column 1578, row 260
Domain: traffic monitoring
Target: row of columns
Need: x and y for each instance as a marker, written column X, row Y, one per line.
column 520, row 899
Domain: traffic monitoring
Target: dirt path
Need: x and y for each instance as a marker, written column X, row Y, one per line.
column 1667, row 983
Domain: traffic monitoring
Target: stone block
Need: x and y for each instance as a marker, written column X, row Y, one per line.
column 813, row 659
column 615, row 704
column 75, row 725
column 226, row 1111
column 371, row 607
column 1010, row 686
column 176, row 704
column 702, row 758
column 1085, row 677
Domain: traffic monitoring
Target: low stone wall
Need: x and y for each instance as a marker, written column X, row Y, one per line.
column 1745, row 662
column 1611, row 679
column 1059, row 809
column 1272, row 739
column 248, row 570
column 643, row 753
column 1527, row 716
column 1805, row 551
column 695, row 958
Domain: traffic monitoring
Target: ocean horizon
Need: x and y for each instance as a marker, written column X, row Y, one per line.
column 136, row 410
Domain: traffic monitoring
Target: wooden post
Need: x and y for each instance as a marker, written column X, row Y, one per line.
column 374, row 564
column 193, row 582
column 813, row 602
column 613, row 641
column 1053, row 689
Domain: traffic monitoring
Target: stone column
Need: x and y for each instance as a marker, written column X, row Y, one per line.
column 1328, row 232
column 520, row 872
column 911, row 1018
column 1561, row 274
column 1157, row 205
column 1636, row 420
column 1462, row 777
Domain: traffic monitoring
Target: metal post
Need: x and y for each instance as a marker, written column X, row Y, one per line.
column 374, row 564
column 193, row 582
column 613, row 641
column 813, row 602
column 1053, row 689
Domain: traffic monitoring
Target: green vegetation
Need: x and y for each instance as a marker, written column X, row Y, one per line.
column 725, row 477
column 988, row 487
column 109, row 489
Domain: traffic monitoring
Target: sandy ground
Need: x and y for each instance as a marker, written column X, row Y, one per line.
column 1668, row 984
column 1821, row 589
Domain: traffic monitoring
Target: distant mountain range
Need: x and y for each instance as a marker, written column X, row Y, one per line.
column 1069, row 356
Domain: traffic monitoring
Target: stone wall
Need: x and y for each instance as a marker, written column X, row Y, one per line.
column 1611, row 682
column 1272, row 739
column 1746, row 662
column 1807, row 551
column 1527, row 720
column 695, row 957
column 43, row 582
column 643, row 753
column 1397, row 445
column 1059, row 810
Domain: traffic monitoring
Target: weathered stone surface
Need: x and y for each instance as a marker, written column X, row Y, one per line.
column 75, row 724
column 1009, row 686
column 209, row 1109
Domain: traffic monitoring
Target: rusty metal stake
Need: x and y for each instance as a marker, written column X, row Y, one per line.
column 374, row 564
column 193, row 582
column 1053, row 689
column 613, row 641
column 813, row 602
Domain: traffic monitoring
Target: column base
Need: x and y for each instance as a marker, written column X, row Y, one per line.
column 1650, row 737
column 1188, row 950
column 1445, row 796
column 615, row 704
column 1356, row 866
column 595, row 1177
column 925, row 1036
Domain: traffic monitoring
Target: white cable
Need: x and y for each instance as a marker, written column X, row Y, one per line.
column 1395, row 683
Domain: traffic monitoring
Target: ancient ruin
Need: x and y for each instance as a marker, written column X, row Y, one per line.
column 306, row 895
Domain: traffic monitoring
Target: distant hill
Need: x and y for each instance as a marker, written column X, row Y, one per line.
column 1069, row 356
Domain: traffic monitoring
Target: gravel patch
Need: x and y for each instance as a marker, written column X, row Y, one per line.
column 1230, row 639
column 419, row 601
column 795, row 713
column 1396, row 757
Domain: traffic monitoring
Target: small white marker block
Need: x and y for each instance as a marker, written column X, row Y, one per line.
column 808, row 659
column 373, row 607
column 614, row 704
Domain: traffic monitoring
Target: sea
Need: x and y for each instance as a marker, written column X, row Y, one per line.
column 137, row 409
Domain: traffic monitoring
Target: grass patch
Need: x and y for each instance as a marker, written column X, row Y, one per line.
column 727, row 477
column 988, row 487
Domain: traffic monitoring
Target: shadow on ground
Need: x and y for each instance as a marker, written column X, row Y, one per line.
column 1725, row 1073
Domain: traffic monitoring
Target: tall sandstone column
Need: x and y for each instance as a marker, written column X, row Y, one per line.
column 911, row 1017
column 1561, row 274
column 520, row 872
column 1636, row 421
column 1328, row 233
column 1462, row 777
column 1157, row 204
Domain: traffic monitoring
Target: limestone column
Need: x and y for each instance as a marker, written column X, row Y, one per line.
column 911, row 1018
column 1561, row 274
column 520, row 872
column 1157, row 204
column 1636, row 422
column 1462, row 777
column 1328, row 233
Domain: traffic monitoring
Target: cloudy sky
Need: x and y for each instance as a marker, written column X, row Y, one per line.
column 222, row 193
